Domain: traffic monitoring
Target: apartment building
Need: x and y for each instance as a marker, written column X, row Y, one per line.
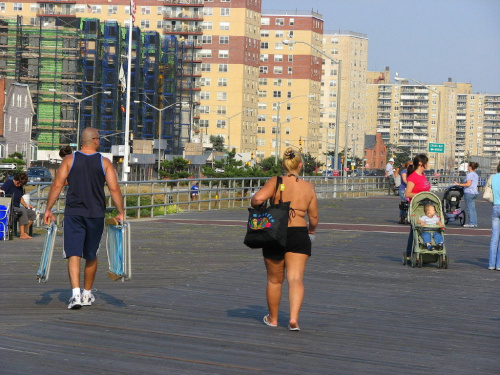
column 230, row 72
column 352, row 49
column 478, row 126
column 414, row 115
column 289, row 83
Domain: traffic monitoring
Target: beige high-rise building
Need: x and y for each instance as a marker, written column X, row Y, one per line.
column 413, row 115
column 230, row 72
column 289, row 83
column 352, row 49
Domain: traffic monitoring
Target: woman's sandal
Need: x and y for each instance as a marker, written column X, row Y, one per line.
column 267, row 323
column 293, row 327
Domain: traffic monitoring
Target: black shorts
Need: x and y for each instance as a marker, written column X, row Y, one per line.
column 297, row 241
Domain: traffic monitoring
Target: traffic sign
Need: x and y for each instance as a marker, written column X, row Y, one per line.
column 436, row 147
column 7, row 166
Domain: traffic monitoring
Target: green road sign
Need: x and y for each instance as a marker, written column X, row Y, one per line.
column 436, row 147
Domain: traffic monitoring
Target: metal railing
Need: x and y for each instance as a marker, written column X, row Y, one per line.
column 163, row 197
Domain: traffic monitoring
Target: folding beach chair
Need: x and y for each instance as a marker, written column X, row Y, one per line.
column 6, row 217
column 118, row 249
column 48, row 250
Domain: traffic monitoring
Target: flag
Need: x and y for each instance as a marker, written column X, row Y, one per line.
column 122, row 79
column 133, row 9
column 89, row 9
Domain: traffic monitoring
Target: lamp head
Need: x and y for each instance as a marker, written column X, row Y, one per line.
column 106, row 92
column 287, row 42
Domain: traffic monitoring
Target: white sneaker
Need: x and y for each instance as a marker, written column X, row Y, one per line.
column 75, row 303
column 87, row 299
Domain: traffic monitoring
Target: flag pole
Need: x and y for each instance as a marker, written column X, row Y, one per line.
column 126, row 152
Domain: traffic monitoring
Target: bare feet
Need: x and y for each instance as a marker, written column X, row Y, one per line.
column 24, row 236
column 293, row 326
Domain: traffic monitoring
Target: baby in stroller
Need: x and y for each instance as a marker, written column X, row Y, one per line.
column 430, row 218
column 451, row 204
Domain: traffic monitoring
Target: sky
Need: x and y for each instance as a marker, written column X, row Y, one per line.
column 425, row 40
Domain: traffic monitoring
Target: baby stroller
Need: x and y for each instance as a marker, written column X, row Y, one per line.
column 451, row 204
column 403, row 207
column 419, row 252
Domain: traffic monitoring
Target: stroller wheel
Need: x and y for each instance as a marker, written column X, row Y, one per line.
column 413, row 260
column 445, row 261
column 440, row 261
column 462, row 218
column 405, row 261
column 420, row 261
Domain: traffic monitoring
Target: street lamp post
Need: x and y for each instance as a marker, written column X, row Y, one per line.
column 400, row 79
column 278, row 124
column 229, row 127
column 337, row 115
column 79, row 101
column 160, row 119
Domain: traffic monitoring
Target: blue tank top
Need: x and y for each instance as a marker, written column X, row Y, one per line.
column 86, row 179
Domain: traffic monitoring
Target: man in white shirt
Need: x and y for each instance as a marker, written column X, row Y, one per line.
column 389, row 174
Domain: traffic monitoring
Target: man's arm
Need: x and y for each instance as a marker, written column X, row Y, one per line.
column 114, row 188
column 56, row 187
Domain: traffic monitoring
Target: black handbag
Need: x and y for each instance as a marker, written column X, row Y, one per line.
column 267, row 225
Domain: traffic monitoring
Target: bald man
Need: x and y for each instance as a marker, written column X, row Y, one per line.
column 86, row 172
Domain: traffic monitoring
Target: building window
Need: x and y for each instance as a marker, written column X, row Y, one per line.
column 222, row 82
column 206, row 67
column 17, row 7
column 224, row 25
column 277, row 82
column 206, row 53
column 278, row 58
column 223, row 54
column 276, row 94
column 292, row 21
column 264, row 45
column 264, row 58
column 261, row 129
column 221, row 95
column 2, row 7
column 224, row 39
column 207, row 25
column 221, row 124
column 279, row 33
column 262, row 118
column 262, row 94
column 145, row 10
column 221, row 109
column 204, row 123
column 207, row 11
column 278, row 70
column 278, row 45
column 280, row 21
column 265, row 21
column 144, row 24
column 263, row 81
column 222, row 68
column 263, row 69
column 205, row 95
column 264, row 33
column 206, row 39
column 225, row 12
column 112, row 9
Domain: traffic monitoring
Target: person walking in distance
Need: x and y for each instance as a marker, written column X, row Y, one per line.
column 389, row 174
column 86, row 172
column 470, row 194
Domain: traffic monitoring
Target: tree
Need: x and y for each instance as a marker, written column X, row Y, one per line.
column 310, row 164
column 176, row 168
column 217, row 143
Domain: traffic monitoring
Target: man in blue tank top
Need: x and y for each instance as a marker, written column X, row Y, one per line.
column 86, row 172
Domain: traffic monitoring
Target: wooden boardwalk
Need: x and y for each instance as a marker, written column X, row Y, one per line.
column 197, row 298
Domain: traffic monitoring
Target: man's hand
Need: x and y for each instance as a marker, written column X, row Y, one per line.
column 120, row 217
column 48, row 217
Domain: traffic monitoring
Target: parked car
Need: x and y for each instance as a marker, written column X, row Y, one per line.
column 39, row 174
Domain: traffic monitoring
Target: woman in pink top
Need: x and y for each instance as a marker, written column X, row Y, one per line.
column 417, row 182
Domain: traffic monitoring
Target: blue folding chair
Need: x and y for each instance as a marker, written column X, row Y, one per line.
column 118, row 249
column 47, row 251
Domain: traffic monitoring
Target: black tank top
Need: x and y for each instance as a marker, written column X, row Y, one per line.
column 86, row 181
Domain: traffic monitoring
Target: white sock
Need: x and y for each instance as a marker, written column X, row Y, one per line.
column 76, row 292
column 86, row 292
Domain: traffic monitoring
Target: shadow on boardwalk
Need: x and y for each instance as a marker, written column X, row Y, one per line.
column 197, row 298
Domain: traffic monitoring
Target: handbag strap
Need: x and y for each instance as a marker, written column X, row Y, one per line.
column 279, row 181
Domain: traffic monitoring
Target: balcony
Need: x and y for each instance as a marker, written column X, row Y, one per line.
column 56, row 11
column 183, row 15
column 182, row 29
column 196, row 3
